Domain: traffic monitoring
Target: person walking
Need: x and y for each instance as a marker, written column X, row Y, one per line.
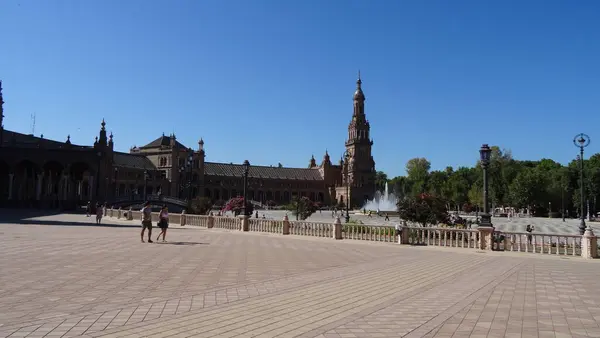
column 163, row 222
column 147, row 221
column 88, row 206
column 99, row 213
column 529, row 229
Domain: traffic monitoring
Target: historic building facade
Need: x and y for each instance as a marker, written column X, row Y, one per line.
column 37, row 171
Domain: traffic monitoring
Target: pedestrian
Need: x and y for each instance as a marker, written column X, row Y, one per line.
column 529, row 229
column 163, row 222
column 98, row 213
column 147, row 221
column 88, row 206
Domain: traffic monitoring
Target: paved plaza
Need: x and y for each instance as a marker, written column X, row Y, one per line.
column 62, row 276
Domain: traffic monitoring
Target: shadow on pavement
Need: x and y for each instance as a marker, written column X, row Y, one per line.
column 180, row 243
column 68, row 223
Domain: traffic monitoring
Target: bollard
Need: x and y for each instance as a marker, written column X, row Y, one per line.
column 337, row 228
column 286, row 225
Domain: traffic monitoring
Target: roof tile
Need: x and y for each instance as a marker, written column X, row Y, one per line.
column 237, row 170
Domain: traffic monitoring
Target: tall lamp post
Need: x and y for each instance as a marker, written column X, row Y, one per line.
column 190, row 162
column 116, row 183
column 485, row 154
column 246, row 166
column 581, row 141
column 347, row 158
column 562, row 201
column 145, row 183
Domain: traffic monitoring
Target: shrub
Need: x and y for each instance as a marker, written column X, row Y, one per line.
column 236, row 205
column 424, row 209
column 200, row 205
column 303, row 207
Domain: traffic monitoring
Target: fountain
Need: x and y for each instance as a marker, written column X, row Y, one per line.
column 385, row 202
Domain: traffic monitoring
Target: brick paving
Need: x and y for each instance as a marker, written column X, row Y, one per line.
column 64, row 277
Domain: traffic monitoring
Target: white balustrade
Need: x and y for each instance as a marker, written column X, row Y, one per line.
column 369, row 233
column 543, row 243
column 315, row 229
column 266, row 225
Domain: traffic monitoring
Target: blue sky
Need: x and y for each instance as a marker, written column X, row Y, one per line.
column 272, row 81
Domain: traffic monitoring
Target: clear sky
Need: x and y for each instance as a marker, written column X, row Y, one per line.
column 272, row 81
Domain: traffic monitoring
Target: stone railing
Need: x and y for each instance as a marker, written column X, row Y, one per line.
column 450, row 237
column 482, row 238
column 369, row 233
column 196, row 220
column 265, row 225
column 228, row 223
column 315, row 229
column 542, row 243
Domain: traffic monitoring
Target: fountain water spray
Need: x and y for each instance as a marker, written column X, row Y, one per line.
column 385, row 202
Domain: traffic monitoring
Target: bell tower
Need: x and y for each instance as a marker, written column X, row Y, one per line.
column 360, row 166
column 1, row 116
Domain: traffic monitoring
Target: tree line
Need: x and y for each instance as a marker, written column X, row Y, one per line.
column 543, row 186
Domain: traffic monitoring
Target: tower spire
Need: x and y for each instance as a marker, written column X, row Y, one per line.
column 1, row 107
column 1, row 116
column 103, row 140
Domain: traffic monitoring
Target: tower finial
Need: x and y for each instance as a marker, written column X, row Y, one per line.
column 103, row 124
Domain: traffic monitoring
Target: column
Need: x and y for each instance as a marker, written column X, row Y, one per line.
column 91, row 188
column 38, row 187
column 10, row 186
column 65, row 191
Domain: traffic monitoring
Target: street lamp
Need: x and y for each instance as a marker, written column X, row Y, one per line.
column 116, row 184
column 581, row 141
column 145, row 183
column 347, row 158
column 246, row 167
column 189, row 163
column 562, row 201
column 485, row 153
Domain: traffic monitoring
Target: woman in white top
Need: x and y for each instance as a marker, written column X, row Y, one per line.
column 163, row 222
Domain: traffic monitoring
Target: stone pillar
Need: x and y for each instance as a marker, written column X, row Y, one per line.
column 129, row 214
column 38, row 187
column 245, row 226
column 119, row 213
column 286, row 225
column 105, row 209
column 337, row 228
column 404, row 237
column 485, row 238
column 589, row 244
column 91, row 188
column 10, row 186
column 182, row 219
column 211, row 221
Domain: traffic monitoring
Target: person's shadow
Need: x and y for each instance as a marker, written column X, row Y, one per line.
column 181, row 243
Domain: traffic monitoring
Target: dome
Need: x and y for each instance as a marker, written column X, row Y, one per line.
column 358, row 94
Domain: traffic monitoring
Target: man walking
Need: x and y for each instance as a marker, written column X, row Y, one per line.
column 147, row 221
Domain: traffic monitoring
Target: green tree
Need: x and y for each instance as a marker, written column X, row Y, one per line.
column 437, row 182
column 424, row 209
column 528, row 189
column 417, row 170
column 302, row 207
column 380, row 180
column 200, row 205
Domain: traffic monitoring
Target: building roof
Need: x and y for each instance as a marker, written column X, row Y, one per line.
column 125, row 160
column 237, row 170
column 13, row 138
column 163, row 141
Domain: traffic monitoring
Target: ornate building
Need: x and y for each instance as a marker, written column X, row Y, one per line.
column 37, row 171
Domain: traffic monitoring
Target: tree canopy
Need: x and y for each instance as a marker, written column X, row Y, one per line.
column 541, row 185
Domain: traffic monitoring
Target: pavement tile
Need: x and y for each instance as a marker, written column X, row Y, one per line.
column 67, row 281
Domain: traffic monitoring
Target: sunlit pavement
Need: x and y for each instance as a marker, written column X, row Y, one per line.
column 62, row 276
